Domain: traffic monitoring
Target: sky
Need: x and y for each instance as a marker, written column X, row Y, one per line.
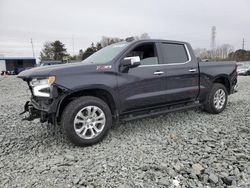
column 78, row 23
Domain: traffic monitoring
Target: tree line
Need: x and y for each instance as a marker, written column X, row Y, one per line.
column 56, row 50
column 224, row 52
column 239, row 55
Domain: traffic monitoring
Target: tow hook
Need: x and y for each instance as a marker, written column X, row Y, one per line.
column 33, row 113
column 26, row 108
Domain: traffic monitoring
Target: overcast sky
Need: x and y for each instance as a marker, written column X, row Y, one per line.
column 88, row 21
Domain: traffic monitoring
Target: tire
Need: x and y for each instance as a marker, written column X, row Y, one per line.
column 85, row 116
column 216, row 95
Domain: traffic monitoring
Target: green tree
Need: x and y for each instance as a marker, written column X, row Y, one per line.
column 89, row 51
column 59, row 50
column 47, row 52
column 53, row 51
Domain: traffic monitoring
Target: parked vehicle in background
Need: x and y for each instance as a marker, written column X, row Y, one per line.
column 49, row 63
column 18, row 70
column 243, row 69
column 124, row 81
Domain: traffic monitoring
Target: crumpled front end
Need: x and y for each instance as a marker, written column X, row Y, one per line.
column 46, row 96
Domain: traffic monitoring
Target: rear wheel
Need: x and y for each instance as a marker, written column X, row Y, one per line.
column 217, row 99
column 86, row 120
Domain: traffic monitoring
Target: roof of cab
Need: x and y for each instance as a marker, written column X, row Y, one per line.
column 158, row 40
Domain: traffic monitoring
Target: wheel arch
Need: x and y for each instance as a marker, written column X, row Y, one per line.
column 223, row 79
column 100, row 93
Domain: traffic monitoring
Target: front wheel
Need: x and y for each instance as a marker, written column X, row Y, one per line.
column 216, row 99
column 86, row 120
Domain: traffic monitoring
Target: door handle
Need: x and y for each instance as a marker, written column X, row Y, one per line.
column 192, row 70
column 158, row 72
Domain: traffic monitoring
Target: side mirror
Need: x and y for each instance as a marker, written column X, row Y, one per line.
column 131, row 62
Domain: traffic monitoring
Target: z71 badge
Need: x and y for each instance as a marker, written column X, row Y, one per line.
column 103, row 67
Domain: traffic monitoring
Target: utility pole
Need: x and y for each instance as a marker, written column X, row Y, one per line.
column 31, row 41
column 213, row 34
column 73, row 44
column 243, row 44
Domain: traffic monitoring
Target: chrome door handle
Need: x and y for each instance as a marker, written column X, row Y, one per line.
column 158, row 72
column 192, row 70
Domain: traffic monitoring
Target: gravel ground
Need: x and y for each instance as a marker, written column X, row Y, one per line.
column 181, row 149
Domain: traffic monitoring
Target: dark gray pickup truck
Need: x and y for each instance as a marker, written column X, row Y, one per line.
column 124, row 81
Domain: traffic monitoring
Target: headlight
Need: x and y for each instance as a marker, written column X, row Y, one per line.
column 42, row 86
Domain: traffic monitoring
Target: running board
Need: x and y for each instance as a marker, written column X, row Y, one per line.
column 159, row 112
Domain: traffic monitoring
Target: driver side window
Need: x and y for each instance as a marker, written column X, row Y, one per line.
column 146, row 52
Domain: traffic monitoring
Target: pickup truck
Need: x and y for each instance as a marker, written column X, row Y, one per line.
column 124, row 81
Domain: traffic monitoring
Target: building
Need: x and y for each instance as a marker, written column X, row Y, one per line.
column 14, row 65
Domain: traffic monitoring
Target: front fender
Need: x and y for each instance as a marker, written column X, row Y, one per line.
column 77, row 92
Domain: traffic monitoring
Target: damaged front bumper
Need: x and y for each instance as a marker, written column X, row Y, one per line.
column 44, row 108
column 40, row 110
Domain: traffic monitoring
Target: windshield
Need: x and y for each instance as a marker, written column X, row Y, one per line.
column 106, row 54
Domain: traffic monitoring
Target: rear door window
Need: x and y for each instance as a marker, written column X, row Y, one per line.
column 174, row 53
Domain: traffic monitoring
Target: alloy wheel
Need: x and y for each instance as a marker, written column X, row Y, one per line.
column 89, row 122
column 219, row 99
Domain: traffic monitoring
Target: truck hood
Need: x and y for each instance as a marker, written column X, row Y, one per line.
column 57, row 70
